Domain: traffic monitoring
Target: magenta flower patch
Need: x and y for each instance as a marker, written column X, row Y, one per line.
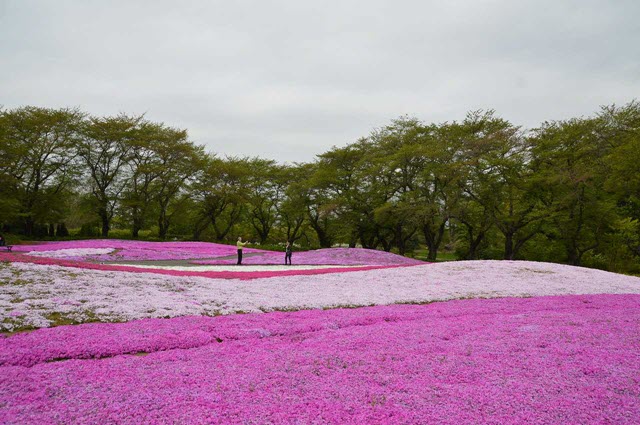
column 119, row 250
column 565, row 359
column 537, row 359
column 18, row 258
column 43, row 292
column 91, row 254
column 332, row 256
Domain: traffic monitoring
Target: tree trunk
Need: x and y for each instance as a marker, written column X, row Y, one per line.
column 474, row 244
column 104, row 219
column 136, row 222
column 29, row 226
column 105, row 228
column 221, row 234
column 264, row 234
column 385, row 245
column 323, row 237
column 366, row 241
column 163, row 226
column 199, row 226
column 292, row 231
column 400, row 240
column 433, row 239
column 162, row 231
column 508, row 246
column 135, row 230
column 163, row 219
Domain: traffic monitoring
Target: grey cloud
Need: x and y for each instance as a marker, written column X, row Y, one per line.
column 287, row 80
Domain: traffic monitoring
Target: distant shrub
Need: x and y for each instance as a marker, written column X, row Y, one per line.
column 62, row 231
column 89, row 230
column 595, row 261
column 41, row 230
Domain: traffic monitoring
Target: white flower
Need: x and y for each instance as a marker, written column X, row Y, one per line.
column 40, row 290
column 72, row 252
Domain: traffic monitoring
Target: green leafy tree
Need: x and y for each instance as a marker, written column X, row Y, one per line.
column 292, row 208
column 499, row 177
column 179, row 162
column 438, row 183
column 266, row 187
column 105, row 150
column 350, row 183
column 398, row 163
column 321, row 208
column 9, row 159
column 568, row 157
column 620, row 130
column 38, row 156
column 144, row 168
column 222, row 192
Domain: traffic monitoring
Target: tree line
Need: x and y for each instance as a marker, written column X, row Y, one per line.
column 482, row 187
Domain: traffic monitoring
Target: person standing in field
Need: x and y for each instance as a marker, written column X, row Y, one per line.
column 240, row 245
column 288, row 249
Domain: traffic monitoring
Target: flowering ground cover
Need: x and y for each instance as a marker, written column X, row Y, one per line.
column 130, row 256
column 561, row 359
column 33, row 295
column 535, row 343
column 248, row 268
column 125, row 250
column 202, row 271
column 73, row 253
column 335, row 256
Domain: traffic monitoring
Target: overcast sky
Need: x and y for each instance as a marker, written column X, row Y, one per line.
column 287, row 80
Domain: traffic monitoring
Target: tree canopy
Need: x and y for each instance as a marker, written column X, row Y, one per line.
column 567, row 191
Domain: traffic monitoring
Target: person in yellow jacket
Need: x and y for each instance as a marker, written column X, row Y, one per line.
column 240, row 245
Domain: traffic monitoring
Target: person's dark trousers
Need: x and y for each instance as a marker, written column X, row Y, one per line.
column 287, row 257
column 239, row 256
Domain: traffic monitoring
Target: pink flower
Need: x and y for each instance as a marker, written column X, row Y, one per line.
column 567, row 359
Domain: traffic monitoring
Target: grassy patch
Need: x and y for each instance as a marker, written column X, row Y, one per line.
column 421, row 254
column 527, row 269
column 16, row 282
column 56, row 319
column 61, row 319
column 16, row 326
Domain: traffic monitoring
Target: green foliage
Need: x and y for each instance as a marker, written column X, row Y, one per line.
column 37, row 153
column 479, row 188
column 88, row 230
column 62, row 231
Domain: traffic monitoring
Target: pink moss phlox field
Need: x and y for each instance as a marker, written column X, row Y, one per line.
column 561, row 359
column 329, row 256
column 135, row 250
column 33, row 295
column 20, row 258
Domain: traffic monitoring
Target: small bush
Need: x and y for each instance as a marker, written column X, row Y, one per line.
column 62, row 231
column 89, row 230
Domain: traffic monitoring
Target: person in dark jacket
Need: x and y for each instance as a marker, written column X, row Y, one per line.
column 288, row 249
column 2, row 241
